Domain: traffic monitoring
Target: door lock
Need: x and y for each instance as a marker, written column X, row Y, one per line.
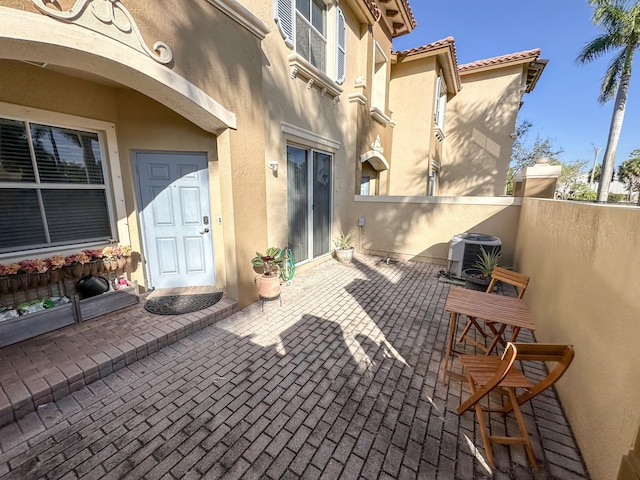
column 205, row 220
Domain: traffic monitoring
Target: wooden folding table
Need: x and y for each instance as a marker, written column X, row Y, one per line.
column 487, row 307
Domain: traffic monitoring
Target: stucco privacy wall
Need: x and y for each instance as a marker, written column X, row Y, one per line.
column 480, row 119
column 420, row 228
column 584, row 261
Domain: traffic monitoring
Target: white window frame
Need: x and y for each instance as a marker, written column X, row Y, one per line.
column 111, row 172
column 440, row 107
column 380, row 65
column 333, row 72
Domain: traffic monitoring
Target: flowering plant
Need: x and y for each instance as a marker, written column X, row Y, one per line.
column 93, row 254
column 28, row 266
column 55, row 262
column 113, row 252
column 10, row 269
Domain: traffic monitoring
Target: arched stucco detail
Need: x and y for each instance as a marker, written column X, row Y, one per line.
column 376, row 159
column 36, row 38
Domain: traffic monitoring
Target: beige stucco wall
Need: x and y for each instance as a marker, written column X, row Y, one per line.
column 140, row 123
column 479, row 122
column 214, row 53
column 412, row 100
column 420, row 228
column 584, row 261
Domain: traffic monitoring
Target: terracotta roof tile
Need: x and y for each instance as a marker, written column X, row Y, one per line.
column 488, row 62
column 445, row 42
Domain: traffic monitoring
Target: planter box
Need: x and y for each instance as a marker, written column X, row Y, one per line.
column 107, row 302
column 33, row 324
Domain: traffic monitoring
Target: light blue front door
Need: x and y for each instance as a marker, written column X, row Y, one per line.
column 173, row 195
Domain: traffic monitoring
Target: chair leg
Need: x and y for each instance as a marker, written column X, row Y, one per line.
column 523, row 429
column 484, row 433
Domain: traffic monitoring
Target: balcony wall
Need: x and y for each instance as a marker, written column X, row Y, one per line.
column 584, row 261
column 420, row 228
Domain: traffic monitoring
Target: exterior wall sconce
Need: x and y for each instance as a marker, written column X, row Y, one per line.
column 273, row 165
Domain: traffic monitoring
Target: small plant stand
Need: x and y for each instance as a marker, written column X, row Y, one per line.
column 269, row 299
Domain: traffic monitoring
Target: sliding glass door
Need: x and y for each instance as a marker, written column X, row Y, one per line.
column 309, row 185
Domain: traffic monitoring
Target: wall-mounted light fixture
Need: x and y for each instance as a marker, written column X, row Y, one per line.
column 273, row 165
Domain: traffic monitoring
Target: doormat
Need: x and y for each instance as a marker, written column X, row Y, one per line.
column 180, row 304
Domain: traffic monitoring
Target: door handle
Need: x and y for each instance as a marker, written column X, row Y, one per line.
column 206, row 230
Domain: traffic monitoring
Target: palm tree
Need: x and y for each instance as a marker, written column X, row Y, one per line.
column 621, row 24
column 629, row 172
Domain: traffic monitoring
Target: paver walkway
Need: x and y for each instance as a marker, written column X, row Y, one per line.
column 342, row 381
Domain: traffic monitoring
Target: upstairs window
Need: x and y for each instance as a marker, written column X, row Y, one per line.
column 379, row 85
column 52, row 187
column 316, row 33
column 440, row 107
column 311, row 41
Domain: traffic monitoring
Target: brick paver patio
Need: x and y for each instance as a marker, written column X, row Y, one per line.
column 342, row 381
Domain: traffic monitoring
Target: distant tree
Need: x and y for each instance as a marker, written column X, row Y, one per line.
column 582, row 191
column 629, row 173
column 598, row 173
column 620, row 21
column 568, row 180
column 525, row 154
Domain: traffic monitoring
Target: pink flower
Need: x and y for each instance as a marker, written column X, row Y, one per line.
column 28, row 266
column 41, row 265
column 57, row 261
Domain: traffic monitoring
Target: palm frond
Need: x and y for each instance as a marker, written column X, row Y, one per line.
column 611, row 78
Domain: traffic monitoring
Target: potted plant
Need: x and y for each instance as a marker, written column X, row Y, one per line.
column 344, row 250
column 479, row 275
column 268, row 265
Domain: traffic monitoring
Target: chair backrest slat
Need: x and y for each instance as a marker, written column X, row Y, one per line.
column 518, row 280
column 562, row 355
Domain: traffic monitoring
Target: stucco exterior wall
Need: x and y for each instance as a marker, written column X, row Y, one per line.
column 479, row 122
column 412, row 99
column 584, row 260
column 210, row 51
column 140, row 123
column 420, row 228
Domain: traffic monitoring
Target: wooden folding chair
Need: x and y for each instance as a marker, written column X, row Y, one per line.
column 520, row 282
column 486, row 374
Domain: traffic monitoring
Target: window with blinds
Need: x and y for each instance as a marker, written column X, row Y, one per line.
column 52, row 187
column 317, row 33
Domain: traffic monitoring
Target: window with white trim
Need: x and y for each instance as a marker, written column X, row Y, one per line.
column 317, row 33
column 53, row 190
column 379, row 83
column 440, row 107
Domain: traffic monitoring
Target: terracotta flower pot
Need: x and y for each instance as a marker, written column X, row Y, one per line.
column 268, row 286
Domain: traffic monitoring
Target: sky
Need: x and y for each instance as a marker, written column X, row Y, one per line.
column 564, row 105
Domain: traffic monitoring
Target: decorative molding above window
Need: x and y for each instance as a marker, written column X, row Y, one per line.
column 242, row 16
column 303, row 69
column 379, row 116
column 309, row 138
column 439, row 134
column 109, row 18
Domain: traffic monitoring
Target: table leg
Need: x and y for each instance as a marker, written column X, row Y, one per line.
column 452, row 334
